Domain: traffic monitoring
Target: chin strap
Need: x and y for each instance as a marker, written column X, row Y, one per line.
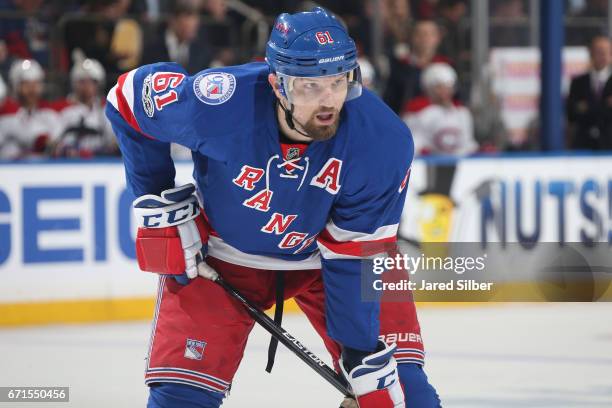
column 290, row 121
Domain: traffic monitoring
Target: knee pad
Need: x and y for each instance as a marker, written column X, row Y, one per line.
column 418, row 392
column 171, row 395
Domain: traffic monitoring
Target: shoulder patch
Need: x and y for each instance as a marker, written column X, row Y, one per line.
column 214, row 88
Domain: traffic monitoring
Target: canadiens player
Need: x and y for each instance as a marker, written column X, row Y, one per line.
column 439, row 123
column 301, row 175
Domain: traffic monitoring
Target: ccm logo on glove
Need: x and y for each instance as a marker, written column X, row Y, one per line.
column 172, row 215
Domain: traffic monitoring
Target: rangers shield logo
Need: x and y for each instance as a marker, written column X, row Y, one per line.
column 194, row 349
column 214, row 88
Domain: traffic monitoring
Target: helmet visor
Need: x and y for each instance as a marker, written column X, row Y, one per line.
column 321, row 90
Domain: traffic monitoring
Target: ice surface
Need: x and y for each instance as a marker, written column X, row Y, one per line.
column 515, row 355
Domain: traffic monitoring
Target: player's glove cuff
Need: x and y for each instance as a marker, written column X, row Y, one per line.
column 172, row 208
column 375, row 382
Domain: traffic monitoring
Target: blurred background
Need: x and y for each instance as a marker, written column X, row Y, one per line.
column 491, row 48
column 510, row 106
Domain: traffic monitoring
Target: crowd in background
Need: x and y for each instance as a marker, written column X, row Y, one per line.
column 59, row 58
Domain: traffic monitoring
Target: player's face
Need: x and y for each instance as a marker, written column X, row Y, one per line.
column 30, row 91
column 86, row 90
column 441, row 94
column 317, row 104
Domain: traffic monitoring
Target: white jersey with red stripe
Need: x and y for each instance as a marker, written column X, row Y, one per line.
column 440, row 129
column 328, row 205
column 27, row 132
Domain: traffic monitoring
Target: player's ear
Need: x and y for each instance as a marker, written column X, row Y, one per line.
column 273, row 80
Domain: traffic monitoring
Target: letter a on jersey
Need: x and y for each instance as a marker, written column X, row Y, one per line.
column 329, row 176
column 260, row 201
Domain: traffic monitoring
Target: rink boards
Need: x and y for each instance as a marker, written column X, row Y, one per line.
column 67, row 237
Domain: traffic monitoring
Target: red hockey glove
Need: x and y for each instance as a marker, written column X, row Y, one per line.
column 171, row 234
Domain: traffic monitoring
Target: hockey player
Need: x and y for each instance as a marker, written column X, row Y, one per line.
column 86, row 131
column 439, row 123
column 28, row 131
column 301, row 175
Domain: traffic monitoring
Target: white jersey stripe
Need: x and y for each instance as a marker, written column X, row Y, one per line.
column 216, row 380
column 160, row 292
column 128, row 89
column 342, row 235
column 217, row 248
column 112, row 97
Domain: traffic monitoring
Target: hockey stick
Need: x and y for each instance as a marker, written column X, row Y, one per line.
column 288, row 340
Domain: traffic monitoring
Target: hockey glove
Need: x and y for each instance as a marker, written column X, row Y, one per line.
column 375, row 381
column 171, row 234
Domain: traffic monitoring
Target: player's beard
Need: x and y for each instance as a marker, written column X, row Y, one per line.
column 322, row 132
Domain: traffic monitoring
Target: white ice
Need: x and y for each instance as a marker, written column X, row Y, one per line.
column 515, row 355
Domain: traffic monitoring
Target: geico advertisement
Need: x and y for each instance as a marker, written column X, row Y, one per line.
column 524, row 200
column 66, row 232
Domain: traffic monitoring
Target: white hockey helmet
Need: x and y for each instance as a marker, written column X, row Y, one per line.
column 438, row 73
column 87, row 69
column 25, row 70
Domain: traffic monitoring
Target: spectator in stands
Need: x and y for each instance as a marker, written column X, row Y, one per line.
column 397, row 19
column 86, row 131
column 455, row 38
column 404, row 79
column 178, row 40
column 426, row 38
column 28, row 131
column 221, row 32
column 217, row 9
column 440, row 124
column 104, row 33
column 26, row 27
column 588, row 102
column 360, row 25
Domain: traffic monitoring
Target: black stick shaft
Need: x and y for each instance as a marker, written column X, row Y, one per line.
column 289, row 341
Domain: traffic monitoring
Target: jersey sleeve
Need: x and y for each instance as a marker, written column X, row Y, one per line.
column 149, row 169
column 155, row 100
column 363, row 224
column 144, row 133
column 158, row 104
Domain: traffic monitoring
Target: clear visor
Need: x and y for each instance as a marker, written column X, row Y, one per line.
column 331, row 90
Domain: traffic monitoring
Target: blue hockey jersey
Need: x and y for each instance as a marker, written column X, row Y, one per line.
column 328, row 206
